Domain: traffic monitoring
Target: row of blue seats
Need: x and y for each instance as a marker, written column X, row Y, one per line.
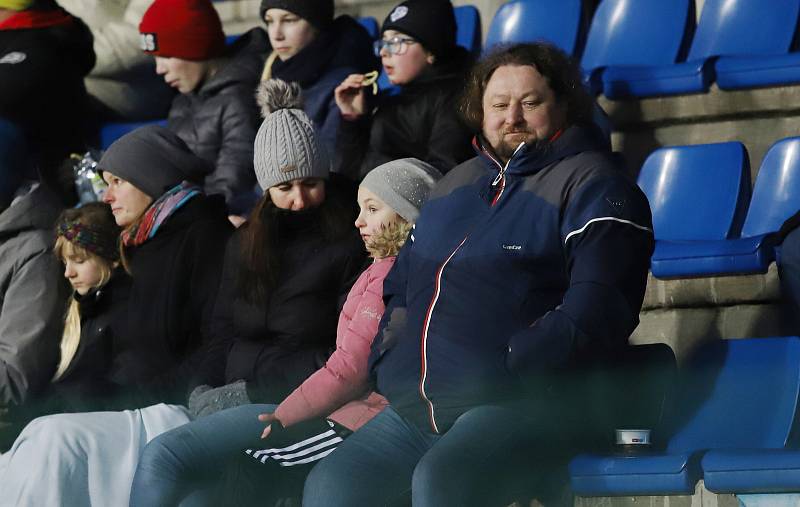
column 645, row 48
column 707, row 219
column 732, row 425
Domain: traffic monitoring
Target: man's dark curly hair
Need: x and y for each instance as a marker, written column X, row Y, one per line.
column 561, row 72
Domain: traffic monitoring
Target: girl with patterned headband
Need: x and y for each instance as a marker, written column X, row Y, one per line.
column 86, row 242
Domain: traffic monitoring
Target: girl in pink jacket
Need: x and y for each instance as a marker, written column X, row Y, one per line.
column 332, row 403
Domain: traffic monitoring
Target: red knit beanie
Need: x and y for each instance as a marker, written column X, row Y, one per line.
column 188, row 29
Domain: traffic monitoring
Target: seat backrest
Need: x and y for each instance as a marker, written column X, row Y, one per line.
column 468, row 28
column 776, row 193
column 744, row 27
column 555, row 21
column 371, row 25
column 739, row 393
column 697, row 192
column 636, row 32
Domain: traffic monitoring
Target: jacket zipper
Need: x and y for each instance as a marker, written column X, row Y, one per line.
column 500, row 183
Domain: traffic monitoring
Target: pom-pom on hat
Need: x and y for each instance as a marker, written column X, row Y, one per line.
column 286, row 146
column 153, row 159
column 187, row 29
column 431, row 22
column 317, row 12
column 403, row 185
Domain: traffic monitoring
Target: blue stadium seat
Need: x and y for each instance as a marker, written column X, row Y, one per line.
column 760, row 58
column 371, row 25
column 555, row 21
column 776, row 194
column 698, row 195
column 754, row 33
column 110, row 132
column 634, row 33
column 776, row 197
column 468, row 28
column 734, row 394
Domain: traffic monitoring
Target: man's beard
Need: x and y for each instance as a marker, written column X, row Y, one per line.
column 505, row 150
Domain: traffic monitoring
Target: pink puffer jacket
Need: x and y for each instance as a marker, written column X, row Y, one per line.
column 342, row 384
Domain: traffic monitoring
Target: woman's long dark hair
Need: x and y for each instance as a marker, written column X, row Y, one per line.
column 261, row 246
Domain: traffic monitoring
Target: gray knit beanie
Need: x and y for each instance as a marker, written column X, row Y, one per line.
column 403, row 185
column 286, row 145
column 153, row 159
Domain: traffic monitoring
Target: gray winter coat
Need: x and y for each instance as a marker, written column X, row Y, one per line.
column 33, row 296
column 219, row 121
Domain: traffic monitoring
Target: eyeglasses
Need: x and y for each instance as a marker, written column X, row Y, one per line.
column 395, row 45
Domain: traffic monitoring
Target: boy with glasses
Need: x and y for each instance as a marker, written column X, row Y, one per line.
column 420, row 56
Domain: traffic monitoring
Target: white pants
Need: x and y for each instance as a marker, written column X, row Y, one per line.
column 81, row 459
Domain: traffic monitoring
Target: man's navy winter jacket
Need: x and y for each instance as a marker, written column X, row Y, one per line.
column 501, row 283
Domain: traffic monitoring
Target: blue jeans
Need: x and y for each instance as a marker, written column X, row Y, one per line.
column 490, row 456
column 193, row 455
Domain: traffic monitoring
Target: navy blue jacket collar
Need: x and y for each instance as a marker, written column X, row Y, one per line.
column 529, row 160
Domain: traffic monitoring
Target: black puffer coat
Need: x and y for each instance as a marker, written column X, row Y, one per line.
column 421, row 121
column 41, row 83
column 175, row 280
column 276, row 344
column 84, row 386
column 219, row 121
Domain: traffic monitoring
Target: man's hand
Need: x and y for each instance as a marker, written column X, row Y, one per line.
column 269, row 419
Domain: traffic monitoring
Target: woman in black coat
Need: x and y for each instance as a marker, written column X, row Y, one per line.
column 287, row 271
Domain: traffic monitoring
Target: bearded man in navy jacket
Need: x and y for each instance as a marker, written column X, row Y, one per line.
column 528, row 263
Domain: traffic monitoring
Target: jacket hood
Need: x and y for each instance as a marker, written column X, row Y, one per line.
column 246, row 61
column 38, row 209
column 530, row 159
column 455, row 67
column 353, row 46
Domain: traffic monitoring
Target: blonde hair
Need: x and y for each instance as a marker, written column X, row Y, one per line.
column 390, row 239
column 71, row 337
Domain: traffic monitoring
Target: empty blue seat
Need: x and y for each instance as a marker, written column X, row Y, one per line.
column 468, row 28
column 760, row 57
column 371, row 25
column 634, row 32
column 734, row 394
column 554, row 21
column 110, row 132
column 697, row 194
column 776, row 197
column 749, row 31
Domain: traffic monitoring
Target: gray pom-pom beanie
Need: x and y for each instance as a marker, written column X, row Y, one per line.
column 403, row 185
column 286, row 146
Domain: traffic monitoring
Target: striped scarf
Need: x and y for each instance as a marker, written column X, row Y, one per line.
column 158, row 213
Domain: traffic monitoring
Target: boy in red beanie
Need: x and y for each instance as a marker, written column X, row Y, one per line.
column 215, row 113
